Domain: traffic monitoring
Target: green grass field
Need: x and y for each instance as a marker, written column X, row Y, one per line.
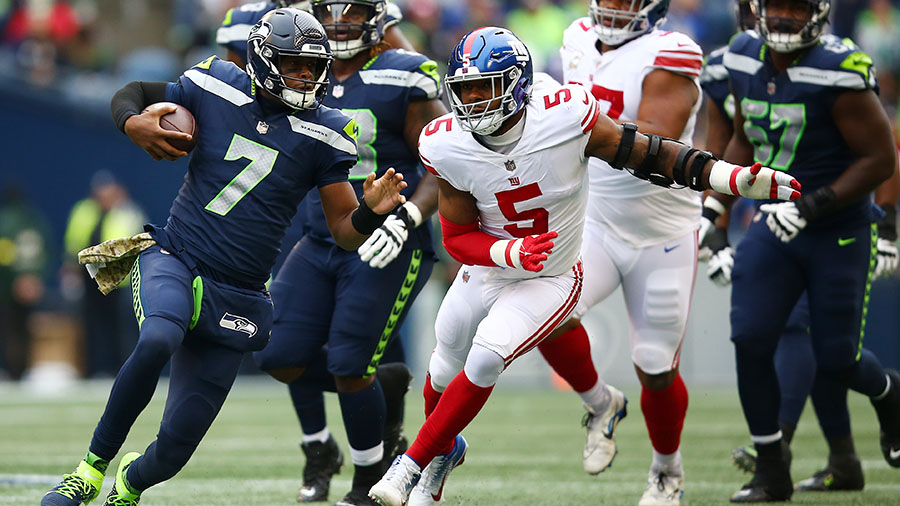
column 525, row 449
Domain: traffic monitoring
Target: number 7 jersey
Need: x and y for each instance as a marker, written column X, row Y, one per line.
column 539, row 186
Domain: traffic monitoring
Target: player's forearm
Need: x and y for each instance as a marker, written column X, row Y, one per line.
column 867, row 174
column 132, row 98
column 426, row 195
column 467, row 244
column 888, row 192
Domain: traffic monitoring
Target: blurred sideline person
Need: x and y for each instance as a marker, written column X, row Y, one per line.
column 24, row 265
column 365, row 295
column 511, row 163
column 232, row 34
column 199, row 292
column 794, row 356
column 805, row 103
column 637, row 236
column 108, row 213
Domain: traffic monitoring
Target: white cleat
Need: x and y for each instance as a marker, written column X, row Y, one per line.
column 600, row 448
column 663, row 489
column 395, row 486
column 430, row 490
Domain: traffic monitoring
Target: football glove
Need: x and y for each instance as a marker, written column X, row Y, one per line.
column 784, row 220
column 720, row 266
column 526, row 253
column 886, row 258
column 383, row 246
column 755, row 182
column 712, row 209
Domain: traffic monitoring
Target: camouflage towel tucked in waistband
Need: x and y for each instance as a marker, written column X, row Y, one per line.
column 110, row 262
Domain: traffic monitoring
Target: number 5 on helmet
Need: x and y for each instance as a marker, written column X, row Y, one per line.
column 755, row 182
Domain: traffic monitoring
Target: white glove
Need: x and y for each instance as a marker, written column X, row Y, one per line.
column 712, row 209
column 886, row 259
column 720, row 265
column 383, row 246
column 706, row 227
column 784, row 220
column 755, row 182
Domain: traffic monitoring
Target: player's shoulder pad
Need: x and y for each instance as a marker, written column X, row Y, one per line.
column 675, row 52
column 837, row 63
column 435, row 141
column 746, row 53
column 329, row 126
column 238, row 21
column 714, row 67
column 223, row 79
column 568, row 110
column 578, row 34
column 407, row 69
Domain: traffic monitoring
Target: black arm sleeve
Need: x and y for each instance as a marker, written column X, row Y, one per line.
column 132, row 98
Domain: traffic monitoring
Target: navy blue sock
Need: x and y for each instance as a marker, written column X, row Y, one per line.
column 135, row 384
column 758, row 386
column 795, row 365
column 829, row 399
column 363, row 414
column 309, row 404
column 867, row 377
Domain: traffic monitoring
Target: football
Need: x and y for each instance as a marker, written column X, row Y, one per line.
column 181, row 120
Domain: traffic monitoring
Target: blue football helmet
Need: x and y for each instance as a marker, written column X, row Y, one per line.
column 284, row 33
column 641, row 17
column 496, row 54
column 785, row 34
column 746, row 18
column 351, row 25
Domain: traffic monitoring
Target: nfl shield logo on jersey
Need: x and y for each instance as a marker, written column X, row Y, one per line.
column 262, row 127
column 337, row 91
column 510, row 165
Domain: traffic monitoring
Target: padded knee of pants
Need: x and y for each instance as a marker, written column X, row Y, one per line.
column 651, row 358
column 835, row 357
column 159, row 338
column 443, row 368
column 483, row 366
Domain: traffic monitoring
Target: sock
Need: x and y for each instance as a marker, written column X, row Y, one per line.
column 394, row 379
column 460, row 403
column 664, row 412
column 787, row 431
column 570, row 356
column 670, row 463
column 758, row 387
column 829, row 400
column 867, row 376
column 769, row 450
column 309, row 405
column 317, row 437
column 365, row 477
column 795, row 365
column 841, row 447
column 96, row 462
column 597, row 398
column 363, row 414
column 431, row 395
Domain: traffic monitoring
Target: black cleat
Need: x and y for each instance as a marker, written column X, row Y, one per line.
column 323, row 460
column 888, row 410
column 356, row 498
column 846, row 474
column 771, row 483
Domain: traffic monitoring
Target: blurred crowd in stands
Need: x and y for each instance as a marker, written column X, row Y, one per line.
column 81, row 51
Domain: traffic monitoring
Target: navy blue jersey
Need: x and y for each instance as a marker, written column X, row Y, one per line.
column 377, row 96
column 788, row 116
column 235, row 28
column 254, row 162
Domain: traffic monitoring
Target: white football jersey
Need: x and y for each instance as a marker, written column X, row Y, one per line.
column 539, row 186
column 640, row 213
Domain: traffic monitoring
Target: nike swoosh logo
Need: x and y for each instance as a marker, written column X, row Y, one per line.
column 844, row 242
column 895, row 453
column 667, row 249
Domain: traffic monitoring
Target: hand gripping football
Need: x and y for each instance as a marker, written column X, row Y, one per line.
column 181, row 120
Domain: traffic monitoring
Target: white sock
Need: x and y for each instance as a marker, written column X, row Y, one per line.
column 887, row 389
column 367, row 457
column 597, row 398
column 318, row 437
column 670, row 464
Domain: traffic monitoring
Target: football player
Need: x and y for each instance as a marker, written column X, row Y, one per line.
column 199, row 293
column 511, row 162
column 232, row 34
column 392, row 94
column 637, row 236
column 807, row 104
column 794, row 355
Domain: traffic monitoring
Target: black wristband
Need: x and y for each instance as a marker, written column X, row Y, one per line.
column 364, row 220
column 816, row 204
column 643, row 171
column 717, row 240
column 697, row 166
column 887, row 227
column 626, row 144
column 403, row 214
column 710, row 213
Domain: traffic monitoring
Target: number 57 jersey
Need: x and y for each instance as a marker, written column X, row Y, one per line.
column 538, row 186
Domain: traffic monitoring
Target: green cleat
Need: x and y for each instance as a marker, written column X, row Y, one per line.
column 122, row 494
column 80, row 487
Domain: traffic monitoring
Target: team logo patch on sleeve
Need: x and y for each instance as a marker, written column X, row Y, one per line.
column 239, row 323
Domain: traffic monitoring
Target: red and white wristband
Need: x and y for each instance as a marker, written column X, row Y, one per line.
column 506, row 253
